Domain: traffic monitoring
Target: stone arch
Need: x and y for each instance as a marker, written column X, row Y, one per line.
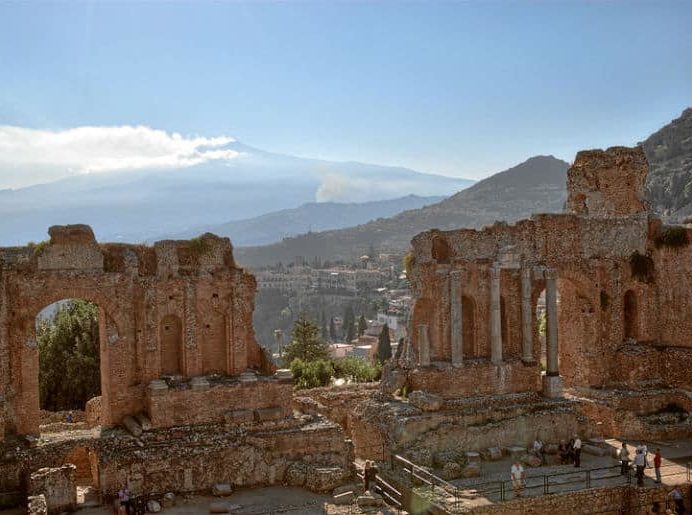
column 440, row 249
column 630, row 315
column 468, row 326
column 171, row 347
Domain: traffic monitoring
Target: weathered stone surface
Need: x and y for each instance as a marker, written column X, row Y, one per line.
column 473, row 457
column 223, row 507
column 132, row 426
column 425, row 401
column 491, row 454
column 241, row 416
column 296, row 474
column 143, row 421
column 531, row 460
column 451, row 470
column 446, row 456
column 369, row 500
column 473, row 469
column 324, row 479
column 344, row 498
column 593, row 450
column 37, row 505
column 153, row 506
column 169, row 500
column 58, row 487
column 222, row 490
column 264, row 414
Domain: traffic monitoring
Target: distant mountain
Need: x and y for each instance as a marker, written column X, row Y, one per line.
column 669, row 151
column 313, row 216
column 137, row 206
column 534, row 186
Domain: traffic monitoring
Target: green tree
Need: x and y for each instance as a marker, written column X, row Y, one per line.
column 311, row 374
column 349, row 323
column 332, row 329
column 69, row 361
column 306, row 344
column 384, row 345
column 362, row 325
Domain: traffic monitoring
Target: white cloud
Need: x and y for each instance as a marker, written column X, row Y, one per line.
column 30, row 156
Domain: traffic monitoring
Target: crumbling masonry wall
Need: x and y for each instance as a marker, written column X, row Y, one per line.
column 177, row 308
column 611, row 284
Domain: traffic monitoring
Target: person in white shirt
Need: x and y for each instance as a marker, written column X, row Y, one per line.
column 517, row 475
column 577, row 451
column 538, row 448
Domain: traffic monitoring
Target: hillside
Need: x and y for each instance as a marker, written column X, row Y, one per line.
column 534, row 186
column 669, row 151
column 313, row 216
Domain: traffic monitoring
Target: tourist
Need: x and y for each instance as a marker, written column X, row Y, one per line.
column 678, row 499
column 640, row 463
column 538, row 450
column 624, row 456
column 563, row 450
column 517, row 475
column 577, row 451
column 372, row 475
column 366, row 475
column 657, row 465
column 69, row 418
column 124, row 497
column 645, row 451
column 570, row 451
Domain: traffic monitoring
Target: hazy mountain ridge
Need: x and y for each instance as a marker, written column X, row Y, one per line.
column 536, row 185
column 313, row 216
column 137, row 206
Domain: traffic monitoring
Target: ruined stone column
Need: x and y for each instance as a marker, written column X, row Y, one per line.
column 423, row 346
column 456, row 319
column 552, row 386
column 495, row 317
column 526, row 317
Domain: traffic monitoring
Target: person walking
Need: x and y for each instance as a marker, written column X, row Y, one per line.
column 678, row 499
column 640, row 463
column 624, row 456
column 517, row 475
column 577, row 451
column 657, row 465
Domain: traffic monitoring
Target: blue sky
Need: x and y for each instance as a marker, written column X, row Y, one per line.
column 459, row 88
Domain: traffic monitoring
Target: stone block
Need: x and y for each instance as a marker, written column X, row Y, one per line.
column 324, row 479
column 552, row 387
column 158, row 387
column 248, row 377
column 369, row 500
column 531, row 460
column 473, row 457
column 239, row 416
column 222, row 490
column 441, row 458
column 491, row 454
column 473, row 469
column 223, row 507
column 425, row 401
column 516, row 452
column 352, row 487
column 169, row 500
column 57, row 485
column 284, row 375
column 37, row 505
column 344, row 498
column 267, row 414
column 132, row 426
column 199, row 384
column 144, row 421
column 296, row 474
column 153, row 506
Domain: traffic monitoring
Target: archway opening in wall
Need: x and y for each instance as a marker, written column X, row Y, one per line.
column 171, row 333
column 69, row 374
column 631, row 315
column 85, row 461
column 468, row 327
column 440, row 249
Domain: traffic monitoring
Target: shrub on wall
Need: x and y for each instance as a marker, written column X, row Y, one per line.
column 673, row 236
column 642, row 267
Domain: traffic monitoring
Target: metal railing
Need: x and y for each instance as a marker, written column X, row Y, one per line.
column 544, row 484
column 389, row 493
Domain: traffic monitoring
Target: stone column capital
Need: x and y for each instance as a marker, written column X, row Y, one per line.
column 550, row 273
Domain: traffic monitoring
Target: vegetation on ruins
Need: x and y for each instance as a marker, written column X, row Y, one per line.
column 349, row 324
column 641, row 267
column 306, row 344
column 313, row 374
column 69, row 363
column 409, row 263
column 384, row 345
column 39, row 247
column 200, row 246
column 673, row 236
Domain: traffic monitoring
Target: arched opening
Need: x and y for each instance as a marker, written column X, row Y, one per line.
column 171, row 334
column 214, row 353
column 468, row 326
column 86, row 474
column 68, row 338
column 440, row 249
column 631, row 316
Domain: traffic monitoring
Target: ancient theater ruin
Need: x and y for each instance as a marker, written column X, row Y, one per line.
column 567, row 324
column 177, row 351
